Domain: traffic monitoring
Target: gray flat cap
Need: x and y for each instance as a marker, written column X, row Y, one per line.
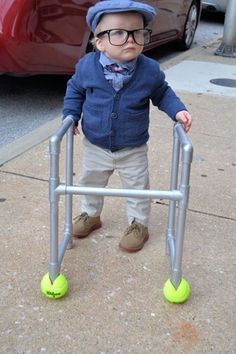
column 110, row 6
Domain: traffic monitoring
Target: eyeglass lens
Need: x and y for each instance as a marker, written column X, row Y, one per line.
column 120, row 37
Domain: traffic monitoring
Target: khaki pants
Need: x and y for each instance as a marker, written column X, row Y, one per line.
column 132, row 166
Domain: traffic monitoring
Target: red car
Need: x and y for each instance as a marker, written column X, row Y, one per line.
column 48, row 36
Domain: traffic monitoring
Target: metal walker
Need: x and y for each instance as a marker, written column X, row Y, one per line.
column 176, row 288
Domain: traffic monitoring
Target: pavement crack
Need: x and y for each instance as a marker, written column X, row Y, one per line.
column 212, row 214
column 214, row 135
column 201, row 212
column 24, row 176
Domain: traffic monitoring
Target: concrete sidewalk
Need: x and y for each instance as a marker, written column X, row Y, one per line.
column 115, row 304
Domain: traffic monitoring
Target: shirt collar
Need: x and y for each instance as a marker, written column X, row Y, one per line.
column 105, row 60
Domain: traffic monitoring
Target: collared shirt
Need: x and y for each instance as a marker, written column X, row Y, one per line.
column 117, row 80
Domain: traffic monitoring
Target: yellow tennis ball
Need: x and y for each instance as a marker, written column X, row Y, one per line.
column 55, row 289
column 179, row 295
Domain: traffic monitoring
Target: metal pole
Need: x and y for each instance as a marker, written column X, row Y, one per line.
column 69, row 182
column 67, row 242
column 187, row 153
column 54, row 182
column 228, row 46
column 54, row 267
column 170, row 231
column 119, row 192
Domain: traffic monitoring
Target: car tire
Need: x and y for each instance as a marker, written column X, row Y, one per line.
column 190, row 26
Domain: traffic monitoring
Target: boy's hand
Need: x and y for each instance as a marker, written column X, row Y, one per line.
column 76, row 131
column 184, row 118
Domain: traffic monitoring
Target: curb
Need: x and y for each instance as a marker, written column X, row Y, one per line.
column 28, row 141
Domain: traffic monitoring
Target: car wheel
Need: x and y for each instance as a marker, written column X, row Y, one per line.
column 190, row 26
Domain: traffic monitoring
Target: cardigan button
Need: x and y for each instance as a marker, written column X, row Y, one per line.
column 114, row 115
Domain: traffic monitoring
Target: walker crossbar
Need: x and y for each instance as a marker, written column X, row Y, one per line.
column 178, row 196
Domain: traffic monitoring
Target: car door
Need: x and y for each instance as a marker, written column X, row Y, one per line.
column 168, row 22
column 60, row 31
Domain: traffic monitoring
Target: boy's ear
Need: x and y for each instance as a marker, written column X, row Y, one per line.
column 99, row 44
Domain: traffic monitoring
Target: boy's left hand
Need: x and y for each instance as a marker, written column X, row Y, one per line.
column 184, row 118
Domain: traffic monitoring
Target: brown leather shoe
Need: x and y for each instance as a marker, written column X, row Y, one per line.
column 83, row 225
column 134, row 238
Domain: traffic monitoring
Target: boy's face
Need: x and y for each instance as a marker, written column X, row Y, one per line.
column 126, row 21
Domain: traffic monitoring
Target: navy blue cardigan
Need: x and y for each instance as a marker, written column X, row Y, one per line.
column 115, row 120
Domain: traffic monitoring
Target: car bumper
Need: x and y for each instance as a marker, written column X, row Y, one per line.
column 213, row 7
column 32, row 58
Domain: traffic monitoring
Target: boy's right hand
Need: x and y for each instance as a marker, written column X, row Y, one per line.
column 76, row 131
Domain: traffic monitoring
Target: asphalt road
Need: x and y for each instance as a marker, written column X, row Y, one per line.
column 27, row 103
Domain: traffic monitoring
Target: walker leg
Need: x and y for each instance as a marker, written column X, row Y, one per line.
column 69, row 182
column 54, row 284
column 176, row 289
column 170, row 232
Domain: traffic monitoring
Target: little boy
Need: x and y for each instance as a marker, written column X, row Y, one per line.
column 111, row 89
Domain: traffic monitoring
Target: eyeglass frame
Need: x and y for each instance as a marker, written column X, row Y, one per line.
column 102, row 33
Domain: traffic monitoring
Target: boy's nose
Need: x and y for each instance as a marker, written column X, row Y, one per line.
column 130, row 37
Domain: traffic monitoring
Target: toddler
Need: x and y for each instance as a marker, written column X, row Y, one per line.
column 111, row 92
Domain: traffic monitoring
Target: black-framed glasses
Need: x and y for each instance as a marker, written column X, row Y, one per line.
column 119, row 37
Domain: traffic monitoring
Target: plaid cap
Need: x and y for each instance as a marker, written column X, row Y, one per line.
column 111, row 6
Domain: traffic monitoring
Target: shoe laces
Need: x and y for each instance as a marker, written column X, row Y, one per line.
column 135, row 228
column 83, row 216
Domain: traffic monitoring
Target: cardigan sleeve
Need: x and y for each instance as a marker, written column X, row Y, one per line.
column 75, row 95
column 165, row 98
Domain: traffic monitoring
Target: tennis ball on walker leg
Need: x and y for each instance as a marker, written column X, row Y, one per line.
column 179, row 295
column 55, row 289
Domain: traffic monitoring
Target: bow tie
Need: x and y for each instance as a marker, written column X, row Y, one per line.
column 115, row 68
